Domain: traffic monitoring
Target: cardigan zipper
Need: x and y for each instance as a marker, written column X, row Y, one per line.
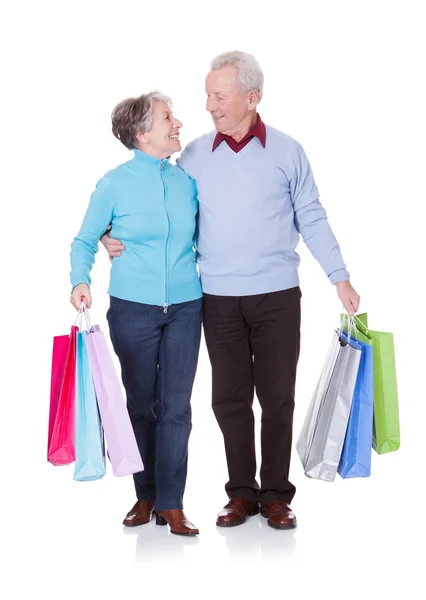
column 166, row 258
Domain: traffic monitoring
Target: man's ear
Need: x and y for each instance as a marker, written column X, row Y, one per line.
column 253, row 98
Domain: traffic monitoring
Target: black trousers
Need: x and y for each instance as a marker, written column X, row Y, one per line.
column 253, row 343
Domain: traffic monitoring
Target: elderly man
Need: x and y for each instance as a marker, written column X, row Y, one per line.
column 256, row 195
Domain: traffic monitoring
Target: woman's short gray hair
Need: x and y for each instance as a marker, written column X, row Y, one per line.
column 250, row 75
column 133, row 117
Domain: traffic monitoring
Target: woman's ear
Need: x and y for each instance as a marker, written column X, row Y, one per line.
column 142, row 138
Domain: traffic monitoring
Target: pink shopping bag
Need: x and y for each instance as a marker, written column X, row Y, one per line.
column 60, row 446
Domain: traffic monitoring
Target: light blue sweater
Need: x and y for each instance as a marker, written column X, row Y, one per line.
column 152, row 206
column 252, row 207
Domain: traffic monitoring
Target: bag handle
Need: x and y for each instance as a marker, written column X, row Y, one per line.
column 352, row 331
column 83, row 315
column 363, row 326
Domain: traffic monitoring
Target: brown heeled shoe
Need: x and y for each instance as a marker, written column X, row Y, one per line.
column 140, row 514
column 177, row 522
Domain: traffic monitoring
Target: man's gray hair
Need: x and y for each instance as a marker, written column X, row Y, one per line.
column 250, row 75
column 134, row 116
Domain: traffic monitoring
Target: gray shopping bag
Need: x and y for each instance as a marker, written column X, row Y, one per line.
column 322, row 436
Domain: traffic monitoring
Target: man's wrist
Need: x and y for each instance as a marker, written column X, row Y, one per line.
column 339, row 276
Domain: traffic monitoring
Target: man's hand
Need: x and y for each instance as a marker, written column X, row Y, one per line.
column 81, row 293
column 349, row 297
column 113, row 247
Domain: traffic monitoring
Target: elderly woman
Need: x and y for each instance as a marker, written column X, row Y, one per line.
column 155, row 309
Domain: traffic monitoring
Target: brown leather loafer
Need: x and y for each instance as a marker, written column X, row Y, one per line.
column 236, row 512
column 140, row 514
column 279, row 515
column 177, row 521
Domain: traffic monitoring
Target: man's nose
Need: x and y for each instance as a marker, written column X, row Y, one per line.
column 211, row 105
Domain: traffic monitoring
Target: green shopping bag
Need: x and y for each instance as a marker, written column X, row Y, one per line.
column 386, row 436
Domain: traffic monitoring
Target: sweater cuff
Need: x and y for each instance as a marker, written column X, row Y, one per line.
column 76, row 280
column 339, row 275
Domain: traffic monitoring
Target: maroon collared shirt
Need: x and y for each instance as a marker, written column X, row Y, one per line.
column 258, row 130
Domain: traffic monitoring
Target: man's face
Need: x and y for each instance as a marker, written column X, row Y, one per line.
column 225, row 103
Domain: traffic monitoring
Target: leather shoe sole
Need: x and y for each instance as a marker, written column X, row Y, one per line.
column 282, row 526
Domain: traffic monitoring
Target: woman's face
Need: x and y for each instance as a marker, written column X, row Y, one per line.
column 163, row 139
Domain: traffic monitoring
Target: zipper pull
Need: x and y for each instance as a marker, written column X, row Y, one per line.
column 161, row 164
column 165, row 307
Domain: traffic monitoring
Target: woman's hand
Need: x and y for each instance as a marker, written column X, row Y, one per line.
column 81, row 293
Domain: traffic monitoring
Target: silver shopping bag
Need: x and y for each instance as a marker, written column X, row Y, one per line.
column 323, row 433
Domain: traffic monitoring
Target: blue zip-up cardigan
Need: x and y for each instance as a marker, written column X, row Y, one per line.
column 152, row 206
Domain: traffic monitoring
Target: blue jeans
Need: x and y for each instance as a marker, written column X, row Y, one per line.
column 158, row 353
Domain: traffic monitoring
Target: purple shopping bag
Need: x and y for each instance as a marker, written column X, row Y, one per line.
column 123, row 451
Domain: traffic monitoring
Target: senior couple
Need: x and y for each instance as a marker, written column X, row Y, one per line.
column 235, row 204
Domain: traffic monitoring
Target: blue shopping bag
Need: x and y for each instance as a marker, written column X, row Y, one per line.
column 355, row 460
column 89, row 442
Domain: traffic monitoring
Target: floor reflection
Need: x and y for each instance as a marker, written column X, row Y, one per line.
column 254, row 539
column 154, row 543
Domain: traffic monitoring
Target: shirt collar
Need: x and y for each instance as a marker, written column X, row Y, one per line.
column 143, row 157
column 258, row 130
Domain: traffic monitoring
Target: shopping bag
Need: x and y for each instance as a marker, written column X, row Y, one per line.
column 355, row 460
column 89, row 443
column 321, row 439
column 60, row 445
column 386, row 430
column 123, row 451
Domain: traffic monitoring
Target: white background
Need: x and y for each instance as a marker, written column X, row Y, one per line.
column 346, row 80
